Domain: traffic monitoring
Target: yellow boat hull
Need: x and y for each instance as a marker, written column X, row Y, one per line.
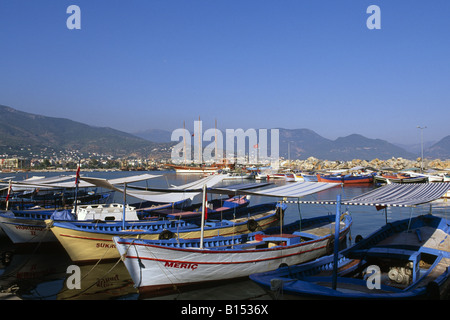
column 89, row 246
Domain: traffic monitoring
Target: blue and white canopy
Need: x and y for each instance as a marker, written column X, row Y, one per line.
column 394, row 195
column 401, row 195
column 291, row 190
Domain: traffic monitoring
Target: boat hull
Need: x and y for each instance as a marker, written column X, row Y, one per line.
column 158, row 269
column 414, row 255
column 345, row 179
column 25, row 231
column 85, row 243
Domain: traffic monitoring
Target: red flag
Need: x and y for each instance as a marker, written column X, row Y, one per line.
column 77, row 175
column 9, row 192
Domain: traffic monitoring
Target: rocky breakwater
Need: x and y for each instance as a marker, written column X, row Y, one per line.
column 396, row 164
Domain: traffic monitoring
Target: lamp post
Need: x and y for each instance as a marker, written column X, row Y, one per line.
column 421, row 145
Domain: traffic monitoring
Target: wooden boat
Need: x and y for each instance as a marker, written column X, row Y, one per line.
column 309, row 177
column 87, row 241
column 399, row 178
column 411, row 258
column 29, row 226
column 215, row 167
column 238, row 176
column 346, row 179
column 290, row 177
column 159, row 267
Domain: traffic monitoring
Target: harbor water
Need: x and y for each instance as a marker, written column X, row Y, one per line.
column 43, row 271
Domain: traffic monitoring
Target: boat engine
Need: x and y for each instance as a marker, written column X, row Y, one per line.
column 401, row 275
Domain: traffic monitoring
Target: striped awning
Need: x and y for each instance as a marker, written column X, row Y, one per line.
column 402, row 195
column 291, row 190
column 394, row 195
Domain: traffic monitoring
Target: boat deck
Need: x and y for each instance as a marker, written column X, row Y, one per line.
column 425, row 236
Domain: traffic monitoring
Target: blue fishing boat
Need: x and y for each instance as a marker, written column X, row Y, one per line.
column 406, row 259
column 309, row 177
column 347, row 178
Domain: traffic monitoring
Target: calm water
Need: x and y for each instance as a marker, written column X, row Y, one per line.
column 40, row 272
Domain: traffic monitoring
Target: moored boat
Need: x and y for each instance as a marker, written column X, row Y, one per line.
column 157, row 267
column 403, row 260
column 346, row 179
column 87, row 241
column 399, row 178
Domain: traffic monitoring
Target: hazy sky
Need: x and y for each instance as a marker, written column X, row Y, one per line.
column 142, row 64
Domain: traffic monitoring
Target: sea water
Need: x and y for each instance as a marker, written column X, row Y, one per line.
column 42, row 271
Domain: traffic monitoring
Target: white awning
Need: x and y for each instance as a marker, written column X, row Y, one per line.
column 57, row 182
column 291, row 190
column 169, row 195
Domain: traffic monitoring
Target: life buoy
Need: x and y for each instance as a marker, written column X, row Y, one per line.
column 252, row 225
column 165, row 235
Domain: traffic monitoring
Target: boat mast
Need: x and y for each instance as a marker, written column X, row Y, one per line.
column 336, row 240
column 199, row 143
column 203, row 215
column 184, row 142
column 215, row 139
column 124, row 204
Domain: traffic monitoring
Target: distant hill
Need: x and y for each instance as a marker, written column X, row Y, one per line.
column 20, row 130
column 305, row 143
column 154, row 135
column 440, row 150
column 24, row 133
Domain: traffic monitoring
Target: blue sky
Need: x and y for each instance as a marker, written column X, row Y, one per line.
column 142, row 64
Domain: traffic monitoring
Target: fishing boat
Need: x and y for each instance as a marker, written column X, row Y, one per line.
column 28, row 226
column 309, row 177
column 290, row 177
column 87, row 241
column 405, row 259
column 238, row 176
column 346, row 179
column 193, row 169
column 411, row 258
column 159, row 267
column 399, row 178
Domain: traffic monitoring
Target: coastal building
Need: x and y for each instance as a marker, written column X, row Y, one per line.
column 14, row 164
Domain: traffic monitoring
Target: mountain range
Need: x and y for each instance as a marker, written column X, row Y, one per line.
column 23, row 133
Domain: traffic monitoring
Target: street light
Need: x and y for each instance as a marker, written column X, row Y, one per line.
column 421, row 144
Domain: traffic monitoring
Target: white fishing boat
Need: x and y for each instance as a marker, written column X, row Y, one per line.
column 158, row 266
